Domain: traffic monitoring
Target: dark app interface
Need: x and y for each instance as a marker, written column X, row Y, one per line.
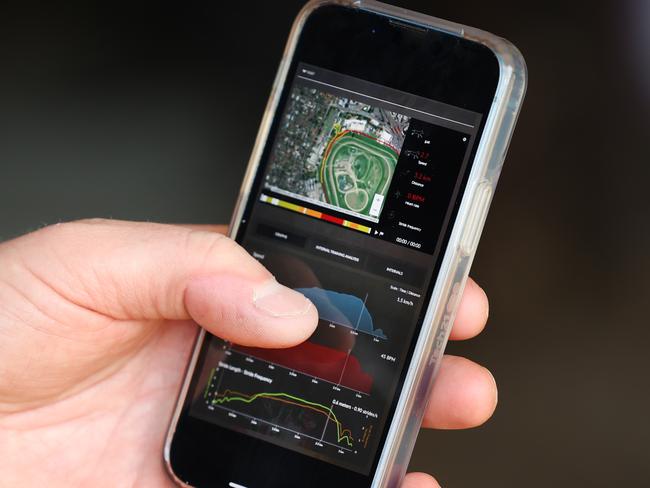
column 355, row 194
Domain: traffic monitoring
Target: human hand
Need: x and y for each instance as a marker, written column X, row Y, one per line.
column 97, row 319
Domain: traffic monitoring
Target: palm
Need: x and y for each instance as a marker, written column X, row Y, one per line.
column 110, row 433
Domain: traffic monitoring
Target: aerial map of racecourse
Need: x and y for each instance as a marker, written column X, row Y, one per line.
column 336, row 152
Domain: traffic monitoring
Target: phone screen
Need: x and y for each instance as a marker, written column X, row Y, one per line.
column 351, row 206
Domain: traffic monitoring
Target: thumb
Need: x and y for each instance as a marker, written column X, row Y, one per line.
column 144, row 271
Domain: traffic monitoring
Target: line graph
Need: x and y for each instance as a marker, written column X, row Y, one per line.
column 286, row 406
column 343, row 434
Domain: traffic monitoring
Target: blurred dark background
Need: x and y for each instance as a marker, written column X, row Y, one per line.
column 149, row 112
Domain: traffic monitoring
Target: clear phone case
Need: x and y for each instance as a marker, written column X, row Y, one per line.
column 458, row 256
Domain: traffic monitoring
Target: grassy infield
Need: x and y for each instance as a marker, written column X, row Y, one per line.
column 355, row 167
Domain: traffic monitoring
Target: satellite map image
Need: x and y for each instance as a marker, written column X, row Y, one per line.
column 336, row 152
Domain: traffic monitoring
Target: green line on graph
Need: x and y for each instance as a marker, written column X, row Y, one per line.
column 207, row 387
column 234, row 396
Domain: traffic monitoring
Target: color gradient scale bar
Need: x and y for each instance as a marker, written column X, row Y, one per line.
column 314, row 213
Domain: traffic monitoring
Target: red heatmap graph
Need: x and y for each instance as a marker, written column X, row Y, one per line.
column 319, row 361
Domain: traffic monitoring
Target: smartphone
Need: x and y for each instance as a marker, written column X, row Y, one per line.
column 367, row 191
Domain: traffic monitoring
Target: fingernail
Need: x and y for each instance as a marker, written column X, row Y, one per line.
column 279, row 301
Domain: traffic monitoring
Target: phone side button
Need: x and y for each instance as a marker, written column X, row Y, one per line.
column 472, row 232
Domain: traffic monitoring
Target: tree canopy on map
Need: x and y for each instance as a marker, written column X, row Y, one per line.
column 336, row 151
